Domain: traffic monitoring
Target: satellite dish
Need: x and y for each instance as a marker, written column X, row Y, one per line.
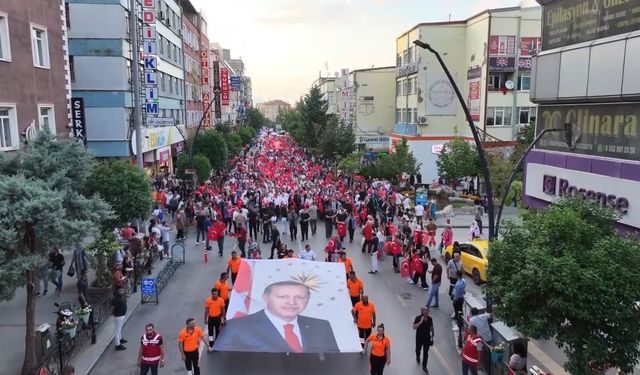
column 509, row 85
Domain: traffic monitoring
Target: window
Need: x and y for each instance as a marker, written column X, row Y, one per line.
column 398, row 116
column 410, row 55
column 40, row 47
column 499, row 116
column 170, row 85
column 398, row 88
column 5, row 51
column 161, row 39
column 415, row 116
column 8, row 127
column 169, row 48
column 163, row 86
column 405, row 57
column 495, row 82
column 66, row 15
column 524, row 81
column 527, row 115
column 410, row 86
column 46, row 118
column 398, row 60
column 72, row 72
column 175, row 52
column 403, row 115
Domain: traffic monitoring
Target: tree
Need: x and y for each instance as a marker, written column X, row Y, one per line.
column 42, row 207
column 234, row 143
column 393, row 165
column 351, row 163
column 201, row 165
column 126, row 188
column 255, row 119
column 499, row 170
column 458, row 159
column 292, row 122
column 246, row 134
column 566, row 274
column 212, row 145
column 337, row 139
column 313, row 109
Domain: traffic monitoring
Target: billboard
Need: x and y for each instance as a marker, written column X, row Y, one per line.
column 609, row 130
column 271, row 293
column 224, row 86
column 569, row 22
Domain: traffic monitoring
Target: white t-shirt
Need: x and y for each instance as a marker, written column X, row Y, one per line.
column 407, row 203
column 419, row 210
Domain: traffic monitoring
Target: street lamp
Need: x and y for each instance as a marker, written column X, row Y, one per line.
column 516, row 167
column 476, row 137
column 216, row 92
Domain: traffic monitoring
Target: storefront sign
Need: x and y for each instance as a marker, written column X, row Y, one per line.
column 150, row 106
column 216, row 86
column 609, row 130
column 163, row 154
column 204, row 66
column 154, row 138
column 224, row 86
column 437, row 149
column 529, row 46
column 574, row 21
column 524, row 64
column 78, row 124
column 235, row 83
column 502, row 64
column 161, row 121
column 407, row 69
column 206, row 99
column 344, row 102
column 374, row 142
column 475, row 72
column 552, row 183
column 474, row 76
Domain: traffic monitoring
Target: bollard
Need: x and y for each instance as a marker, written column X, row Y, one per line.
column 204, row 253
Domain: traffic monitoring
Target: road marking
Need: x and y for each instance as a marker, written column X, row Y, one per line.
column 201, row 349
column 402, row 301
column 546, row 361
column 444, row 363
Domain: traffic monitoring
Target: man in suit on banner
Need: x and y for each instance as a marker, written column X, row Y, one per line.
column 279, row 328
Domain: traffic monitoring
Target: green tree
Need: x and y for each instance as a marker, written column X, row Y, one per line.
column 337, row 139
column 247, row 134
column 351, row 163
column 42, row 206
column 393, row 165
column 211, row 144
column 201, row 165
column 458, row 159
column 126, row 188
column 499, row 170
column 292, row 122
column 313, row 109
column 255, row 119
column 565, row 273
column 234, row 143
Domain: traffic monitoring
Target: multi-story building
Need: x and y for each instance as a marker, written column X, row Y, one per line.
column 372, row 106
column 329, row 88
column 101, row 74
column 196, row 51
column 33, row 70
column 272, row 108
column 235, row 87
column 587, row 82
column 489, row 56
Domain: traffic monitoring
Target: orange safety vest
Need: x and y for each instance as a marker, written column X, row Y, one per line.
column 470, row 353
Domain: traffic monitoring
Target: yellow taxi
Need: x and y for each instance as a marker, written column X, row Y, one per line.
column 473, row 255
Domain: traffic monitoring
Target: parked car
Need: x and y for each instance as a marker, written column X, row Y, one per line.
column 473, row 255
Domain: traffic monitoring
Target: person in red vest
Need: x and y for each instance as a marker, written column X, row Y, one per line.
column 219, row 228
column 151, row 353
column 396, row 251
column 367, row 233
column 471, row 352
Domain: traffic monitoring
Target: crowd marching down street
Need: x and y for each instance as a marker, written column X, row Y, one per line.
column 275, row 190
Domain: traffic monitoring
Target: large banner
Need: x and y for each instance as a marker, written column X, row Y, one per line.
column 289, row 306
column 574, row 21
column 474, row 78
column 609, row 130
column 224, row 86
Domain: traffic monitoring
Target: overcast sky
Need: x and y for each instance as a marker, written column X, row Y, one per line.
column 285, row 44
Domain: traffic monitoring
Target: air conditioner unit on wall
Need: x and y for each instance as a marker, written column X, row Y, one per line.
column 423, row 120
column 520, row 128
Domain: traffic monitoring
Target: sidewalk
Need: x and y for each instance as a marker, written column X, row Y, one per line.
column 464, row 220
column 12, row 321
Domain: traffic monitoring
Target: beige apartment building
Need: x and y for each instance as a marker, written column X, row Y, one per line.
column 272, row 108
column 489, row 55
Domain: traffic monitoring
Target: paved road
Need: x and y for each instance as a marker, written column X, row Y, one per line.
column 397, row 303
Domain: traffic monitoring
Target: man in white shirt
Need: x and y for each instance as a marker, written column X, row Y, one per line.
column 419, row 209
column 307, row 253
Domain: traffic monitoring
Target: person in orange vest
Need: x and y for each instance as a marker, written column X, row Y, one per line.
column 379, row 347
column 471, row 352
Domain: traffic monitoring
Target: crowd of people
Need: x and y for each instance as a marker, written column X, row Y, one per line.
column 274, row 191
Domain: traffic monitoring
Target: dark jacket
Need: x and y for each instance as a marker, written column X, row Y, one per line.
column 256, row 333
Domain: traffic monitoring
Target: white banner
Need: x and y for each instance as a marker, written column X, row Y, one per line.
column 275, row 299
column 441, row 99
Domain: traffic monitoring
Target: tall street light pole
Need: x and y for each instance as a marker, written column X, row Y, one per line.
column 507, row 185
column 135, row 66
column 216, row 92
column 476, row 137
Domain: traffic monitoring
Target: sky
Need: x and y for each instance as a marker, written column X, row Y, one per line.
column 286, row 44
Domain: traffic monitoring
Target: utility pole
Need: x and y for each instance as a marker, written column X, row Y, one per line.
column 135, row 66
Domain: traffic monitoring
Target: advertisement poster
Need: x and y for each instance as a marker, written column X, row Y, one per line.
column 271, row 293
column 502, row 64
column 529, row 46
column 474, row 76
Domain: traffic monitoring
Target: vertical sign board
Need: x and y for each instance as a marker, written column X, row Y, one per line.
column 224, row 86
column 344, row 101
column 149, row 58
column 216, row 85
column 474, row 76
column 78, row 120
column 149, row 290
column 206, row 99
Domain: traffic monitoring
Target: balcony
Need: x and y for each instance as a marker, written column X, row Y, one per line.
column 406, row 129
